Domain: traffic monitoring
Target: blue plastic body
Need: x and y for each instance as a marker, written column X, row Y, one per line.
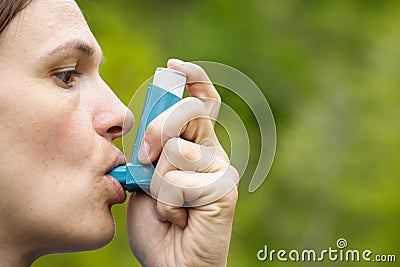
column 135, row 175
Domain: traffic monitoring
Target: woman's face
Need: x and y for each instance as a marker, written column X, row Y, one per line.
column 57, row 122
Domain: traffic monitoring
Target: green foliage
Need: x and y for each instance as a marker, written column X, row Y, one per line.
column 329, row 70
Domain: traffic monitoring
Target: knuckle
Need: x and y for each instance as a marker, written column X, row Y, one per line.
column 153, row 127
column 171, row 146
column 230, row 182
column 171, row 177
column 153, row 130
column 232, row 196
column 230, row 177
column 177, row 149
column 196, row 105
column 189, row 154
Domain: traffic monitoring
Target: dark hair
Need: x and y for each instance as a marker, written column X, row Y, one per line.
column 8, row 10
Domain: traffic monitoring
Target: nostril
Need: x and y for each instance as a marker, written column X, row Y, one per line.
column 115, row 130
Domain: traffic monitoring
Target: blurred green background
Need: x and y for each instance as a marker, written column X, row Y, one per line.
column 330, row 71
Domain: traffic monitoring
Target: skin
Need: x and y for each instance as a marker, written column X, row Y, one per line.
column 57, row 122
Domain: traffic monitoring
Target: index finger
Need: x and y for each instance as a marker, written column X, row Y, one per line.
column 199, row 85
column 174, row 122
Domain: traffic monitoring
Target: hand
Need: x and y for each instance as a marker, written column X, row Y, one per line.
column 188, row 219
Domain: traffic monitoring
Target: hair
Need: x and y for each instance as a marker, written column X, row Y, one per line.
column 8, row 10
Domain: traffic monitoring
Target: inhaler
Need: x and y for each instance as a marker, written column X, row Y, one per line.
column 165, row 90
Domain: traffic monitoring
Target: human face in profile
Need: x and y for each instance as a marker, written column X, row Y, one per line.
column 57, row 120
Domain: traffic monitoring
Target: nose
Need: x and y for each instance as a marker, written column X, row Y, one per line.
column 115, row 128
column 112, row 119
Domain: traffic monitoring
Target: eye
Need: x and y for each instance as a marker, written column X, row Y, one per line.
column 67, row 78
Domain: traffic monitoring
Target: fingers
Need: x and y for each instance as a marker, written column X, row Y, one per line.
column 203, row 105
column 179, row 154
column 172, row 123
column 185, row 155
column 173, row 214
column 199, row 85
column 178, row 190
column 182, row 179
column 193, row 170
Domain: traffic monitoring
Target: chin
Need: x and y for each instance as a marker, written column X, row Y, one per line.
column 75, row 244
column 97, row 236
column 83, row 237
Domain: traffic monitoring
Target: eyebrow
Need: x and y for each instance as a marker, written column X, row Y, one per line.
column 86, row 49
column 79, row 45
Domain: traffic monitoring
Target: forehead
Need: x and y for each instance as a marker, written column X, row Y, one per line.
column 44, row 24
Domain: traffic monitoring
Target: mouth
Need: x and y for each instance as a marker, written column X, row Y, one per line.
column 119, row 195
column 119, row 160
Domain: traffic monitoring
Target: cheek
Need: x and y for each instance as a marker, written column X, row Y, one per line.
column 73, row 136
column 67, row 133
column 54, row 132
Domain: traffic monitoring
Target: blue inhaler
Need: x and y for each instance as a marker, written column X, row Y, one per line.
column 167, row 89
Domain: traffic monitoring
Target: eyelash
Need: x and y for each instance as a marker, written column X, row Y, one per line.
column 72, row 76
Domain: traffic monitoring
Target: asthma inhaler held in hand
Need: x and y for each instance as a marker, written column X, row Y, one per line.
column 167, row 89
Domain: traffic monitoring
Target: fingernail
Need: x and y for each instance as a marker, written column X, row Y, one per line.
column 174, row 62
column 144, row 152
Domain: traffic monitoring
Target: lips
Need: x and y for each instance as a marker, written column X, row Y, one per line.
column 120, row 160
column 120, row 195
